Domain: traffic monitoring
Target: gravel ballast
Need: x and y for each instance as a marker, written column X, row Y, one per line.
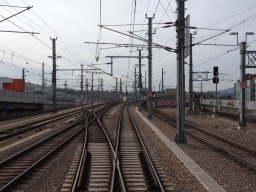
column 229, row 174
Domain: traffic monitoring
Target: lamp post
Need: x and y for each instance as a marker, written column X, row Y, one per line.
column 242, row 77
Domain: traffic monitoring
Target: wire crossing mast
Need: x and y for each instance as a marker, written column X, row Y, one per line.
column 150, row 66
column 180, row 136
column 54, row 110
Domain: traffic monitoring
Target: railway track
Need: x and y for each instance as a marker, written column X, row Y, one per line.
column 233, row 116
column 27, row 114
column 95, row 166
column 125, row 166
column 237, row 151
column 140, row 169
column 12, row 132
column 19, row 166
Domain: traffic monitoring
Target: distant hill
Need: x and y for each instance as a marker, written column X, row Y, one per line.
column 229, row 90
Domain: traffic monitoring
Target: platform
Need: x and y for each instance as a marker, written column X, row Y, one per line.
column 204, row 178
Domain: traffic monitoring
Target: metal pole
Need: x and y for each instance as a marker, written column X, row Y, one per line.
column 101, row 90
column 121, row 91
column 92, row 89
column 216, row 105
column 54, row 99
column 242, row 122
column 150, row 66
column 201, row 95
column 86, row 90
column 42, row 78
column 111, row 66
column 140, row 79
column 23, row 79
column 190, row 76
column 133, row 91
column 135, row 87
column 116, row 89
column 180, row 136
column 162, row 80
column 145, row 81
column 82, row 86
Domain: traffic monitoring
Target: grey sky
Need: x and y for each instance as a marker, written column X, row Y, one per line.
column 76, row 22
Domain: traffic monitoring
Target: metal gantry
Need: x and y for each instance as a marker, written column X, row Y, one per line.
column 243, row 84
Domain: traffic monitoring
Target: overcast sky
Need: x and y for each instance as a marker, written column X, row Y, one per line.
column 76, row 22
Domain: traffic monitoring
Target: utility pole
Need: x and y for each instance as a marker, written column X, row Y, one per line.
column 145, row 80
column 101, row 84
column 121, row 91
column 150, row 67
column 98, row 92
column 43, row 78
column 242, row 122
column 162, row 80
column 180, row 135
column 23, row 78
column 140, row 80
column 216, row 81
column 135, row 86
column 54, row 75
column 126, row 91
column 116, row 90
column 92, row 89
column 82, row 86
column 201, row 95
column 86, row 90
column 190, row 75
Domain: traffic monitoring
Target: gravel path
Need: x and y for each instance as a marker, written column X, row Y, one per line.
column 227, row 172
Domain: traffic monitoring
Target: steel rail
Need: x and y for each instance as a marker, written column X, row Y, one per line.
column 77, row 181
column 231, row 154
column 249, row 149
column 95, row 116
column 25, row 128
column 30, row 126
column 117, row 147
column 115, row 161
column 154, row 174
column 21, row 175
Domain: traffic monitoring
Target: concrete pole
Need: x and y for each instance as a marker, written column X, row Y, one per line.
column 43, row 78
column 149, row 66
column 162, row 80
column 135, row 87
column 54, row 99
column 92, row 89
column 23, row 79
column 140, row 80
column 133, row 91
column 145, row 80
column 242, row 122
column 101, row 90
column 180, row 135
column 116, row 90
column 201, row 95
column 190, row 76
column 86, row 90
column 121, row 91
column 82, row 86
